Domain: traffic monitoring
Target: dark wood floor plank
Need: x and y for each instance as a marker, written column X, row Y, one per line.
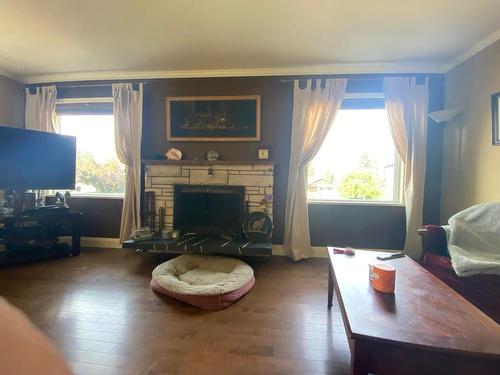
column 98, row 309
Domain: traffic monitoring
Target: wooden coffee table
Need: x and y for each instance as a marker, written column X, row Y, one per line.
column 423, row 328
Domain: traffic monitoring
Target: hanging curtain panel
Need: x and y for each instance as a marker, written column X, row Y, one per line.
column 314, row 111
column 127, row 109
column 407, row 108
column 40, row 113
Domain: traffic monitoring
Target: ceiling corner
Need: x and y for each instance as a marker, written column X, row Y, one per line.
column 9, row 74
column 472, row 51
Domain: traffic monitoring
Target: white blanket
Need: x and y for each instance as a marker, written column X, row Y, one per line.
column 474, row 241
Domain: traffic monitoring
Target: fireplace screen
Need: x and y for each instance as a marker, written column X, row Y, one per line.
column 209, row 209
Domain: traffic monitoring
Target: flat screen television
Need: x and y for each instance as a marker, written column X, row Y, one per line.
column 36, row 160
column 209, row 209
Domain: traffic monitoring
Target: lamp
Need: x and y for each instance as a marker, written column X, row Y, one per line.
column 444, row 116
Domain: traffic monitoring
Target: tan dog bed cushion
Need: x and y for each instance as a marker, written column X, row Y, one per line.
column 209, row 282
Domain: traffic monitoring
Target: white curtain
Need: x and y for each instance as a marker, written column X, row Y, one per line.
column 127, row 111
column 40, row 113
column 407, row 108
column 314, row 111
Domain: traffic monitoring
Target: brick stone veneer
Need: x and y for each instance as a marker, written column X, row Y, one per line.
column 258, row 179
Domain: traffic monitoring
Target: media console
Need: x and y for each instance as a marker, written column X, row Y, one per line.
column 36, row 235
column 199, row 244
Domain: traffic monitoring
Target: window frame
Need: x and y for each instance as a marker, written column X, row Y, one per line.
column 398, row 165
column 89, row 100
column 97, row 99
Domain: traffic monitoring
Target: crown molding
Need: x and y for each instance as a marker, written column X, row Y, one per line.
column 354, row 68
column 472, row 51
column 280, row 71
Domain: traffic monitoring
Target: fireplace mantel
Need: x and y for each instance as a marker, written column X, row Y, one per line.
column 207, row 162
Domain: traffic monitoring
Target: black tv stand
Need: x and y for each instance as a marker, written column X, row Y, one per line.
column 36, row 234
column 40, row 210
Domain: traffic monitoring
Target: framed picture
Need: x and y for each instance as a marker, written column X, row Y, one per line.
column 213, row 118
column 495, row 118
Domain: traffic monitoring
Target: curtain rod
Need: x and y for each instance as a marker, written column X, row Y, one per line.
column 321, row 78
column 73, row 85
column 287, row 80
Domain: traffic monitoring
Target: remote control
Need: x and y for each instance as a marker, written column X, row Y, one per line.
column 391, row 256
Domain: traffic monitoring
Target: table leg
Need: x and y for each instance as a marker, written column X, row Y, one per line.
column 359, row 365
column 330, row 285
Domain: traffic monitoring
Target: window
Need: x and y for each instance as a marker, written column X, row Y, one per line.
column 357, row 161
column 98, row 170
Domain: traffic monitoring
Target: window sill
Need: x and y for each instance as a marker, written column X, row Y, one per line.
column 98, row 196
column 355, row 203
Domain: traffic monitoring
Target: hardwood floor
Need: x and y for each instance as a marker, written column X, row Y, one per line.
column 100, row 312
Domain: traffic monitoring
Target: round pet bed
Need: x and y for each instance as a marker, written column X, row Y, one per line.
column 209, row 282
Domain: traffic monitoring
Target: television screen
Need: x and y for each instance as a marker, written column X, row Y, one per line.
column 209, row 209
column 36, row 160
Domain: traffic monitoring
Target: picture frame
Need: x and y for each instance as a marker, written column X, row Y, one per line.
column 213, row 118
column 495, row 119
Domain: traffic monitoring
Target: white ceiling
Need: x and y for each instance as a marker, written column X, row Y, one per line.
column 44, row 40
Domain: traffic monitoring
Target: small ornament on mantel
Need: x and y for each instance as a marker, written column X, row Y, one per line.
column 174, row 154
column 263, row 153
column 212, row 155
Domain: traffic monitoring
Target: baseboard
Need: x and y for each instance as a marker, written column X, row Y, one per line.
column 318, row 251
column 114, row 243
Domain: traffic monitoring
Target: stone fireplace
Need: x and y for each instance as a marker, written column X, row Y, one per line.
column 256, row 177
